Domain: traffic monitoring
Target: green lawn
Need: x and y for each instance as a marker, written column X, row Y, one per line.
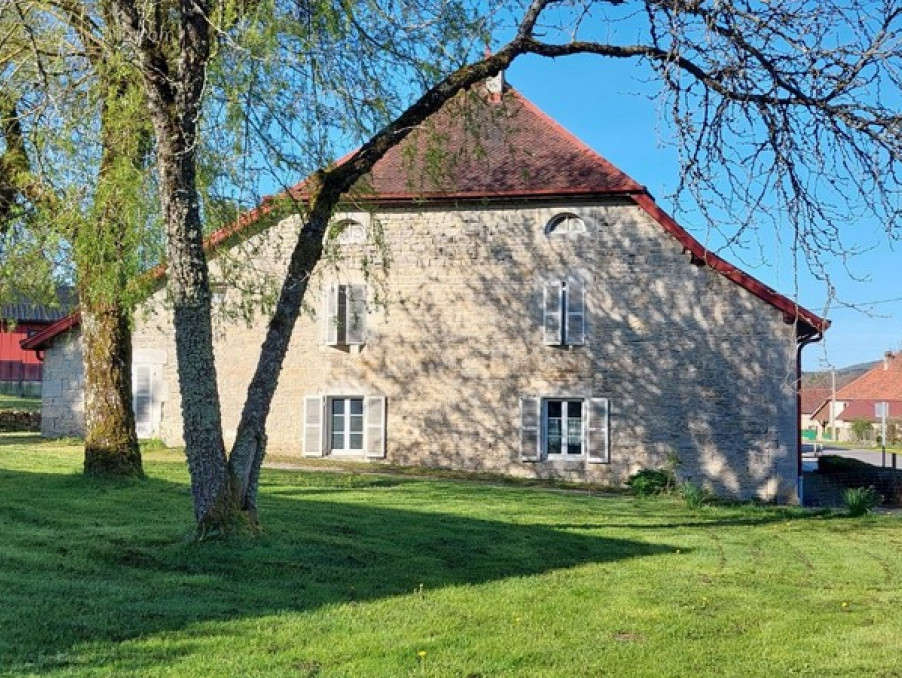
column 356, row 575
column 11, row 402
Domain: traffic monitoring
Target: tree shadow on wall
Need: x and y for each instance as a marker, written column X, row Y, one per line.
column 692, row 363
column 86, row 560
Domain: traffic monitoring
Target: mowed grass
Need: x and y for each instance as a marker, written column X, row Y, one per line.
column 18, row 403
column 369, row 575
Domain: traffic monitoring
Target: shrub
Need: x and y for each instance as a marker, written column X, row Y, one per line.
column 694, row 495
column 651, row 481
column 862, row 429
column 860, row 500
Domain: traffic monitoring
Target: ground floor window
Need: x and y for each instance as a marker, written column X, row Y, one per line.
column 563, row 427
column 346, row 424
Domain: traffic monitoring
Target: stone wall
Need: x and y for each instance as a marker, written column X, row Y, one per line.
column 692, row 363
column 62, row 396
column 19, row 420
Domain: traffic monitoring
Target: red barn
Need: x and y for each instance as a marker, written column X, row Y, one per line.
column 20, row 370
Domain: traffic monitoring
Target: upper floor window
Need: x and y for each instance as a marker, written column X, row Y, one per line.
column 345, row 315
column 565, row 223
column 217, row 294
column 349, row 232
column 564, row 313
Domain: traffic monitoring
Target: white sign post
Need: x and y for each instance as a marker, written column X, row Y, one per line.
column 881, row 410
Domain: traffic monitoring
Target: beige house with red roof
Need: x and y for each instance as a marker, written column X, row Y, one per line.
column 498, row 297
column 857, row 399
column 811, row 400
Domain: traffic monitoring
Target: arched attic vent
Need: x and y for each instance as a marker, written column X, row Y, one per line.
column 348, row 232
column 565, row 223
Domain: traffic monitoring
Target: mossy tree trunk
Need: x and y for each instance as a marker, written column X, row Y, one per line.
column 104, row 268
column 111, row 446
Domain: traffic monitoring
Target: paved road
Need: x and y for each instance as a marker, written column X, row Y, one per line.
column 869, row 456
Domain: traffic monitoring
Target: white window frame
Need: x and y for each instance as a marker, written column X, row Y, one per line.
column 543, row 423
column 351, row 451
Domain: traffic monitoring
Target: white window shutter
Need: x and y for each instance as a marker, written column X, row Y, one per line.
column 330, row 315
column 551, row 314
column 374, row 414
column 529, row 428
column 576, row 313
column 142, row 400
column 355, row 308
column 313, row 426
column 597, row 430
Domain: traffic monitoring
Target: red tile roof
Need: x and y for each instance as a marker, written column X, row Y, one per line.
column 472, row 149
column 882, row 382
column 864, row 409
column 813, row 398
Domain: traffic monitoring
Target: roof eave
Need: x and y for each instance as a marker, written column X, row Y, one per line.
column 39, row 340
column 807, row 323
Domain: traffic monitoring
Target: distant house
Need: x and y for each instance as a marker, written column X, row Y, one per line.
column 857, row 399
column 20, row 369
column 542, row 316
column 812, row 398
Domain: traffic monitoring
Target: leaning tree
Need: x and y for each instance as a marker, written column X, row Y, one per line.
column 786, row 105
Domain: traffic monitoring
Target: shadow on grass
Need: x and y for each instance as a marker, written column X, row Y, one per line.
column 85, row 560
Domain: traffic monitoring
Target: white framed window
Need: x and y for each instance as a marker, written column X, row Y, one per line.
column 345, row 425
column 564, row 313
column 345, row 315
column 564, row 428
column 565, row 223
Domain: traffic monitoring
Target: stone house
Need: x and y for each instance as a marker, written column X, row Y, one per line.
column 518, row 306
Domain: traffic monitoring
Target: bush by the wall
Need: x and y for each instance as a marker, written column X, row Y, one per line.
column 694, row 495
column 651, row 481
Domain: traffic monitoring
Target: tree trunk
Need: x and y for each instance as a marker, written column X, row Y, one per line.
column 111, row 446
column 250, row 441
column 215, row 505
column 174, row 88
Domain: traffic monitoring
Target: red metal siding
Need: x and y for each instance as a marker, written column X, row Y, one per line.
column 17, row 364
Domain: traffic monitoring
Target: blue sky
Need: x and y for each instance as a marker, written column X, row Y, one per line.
column 608, row 105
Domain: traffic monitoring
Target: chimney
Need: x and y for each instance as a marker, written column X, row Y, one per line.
column 494, row 85
column 887, row 357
